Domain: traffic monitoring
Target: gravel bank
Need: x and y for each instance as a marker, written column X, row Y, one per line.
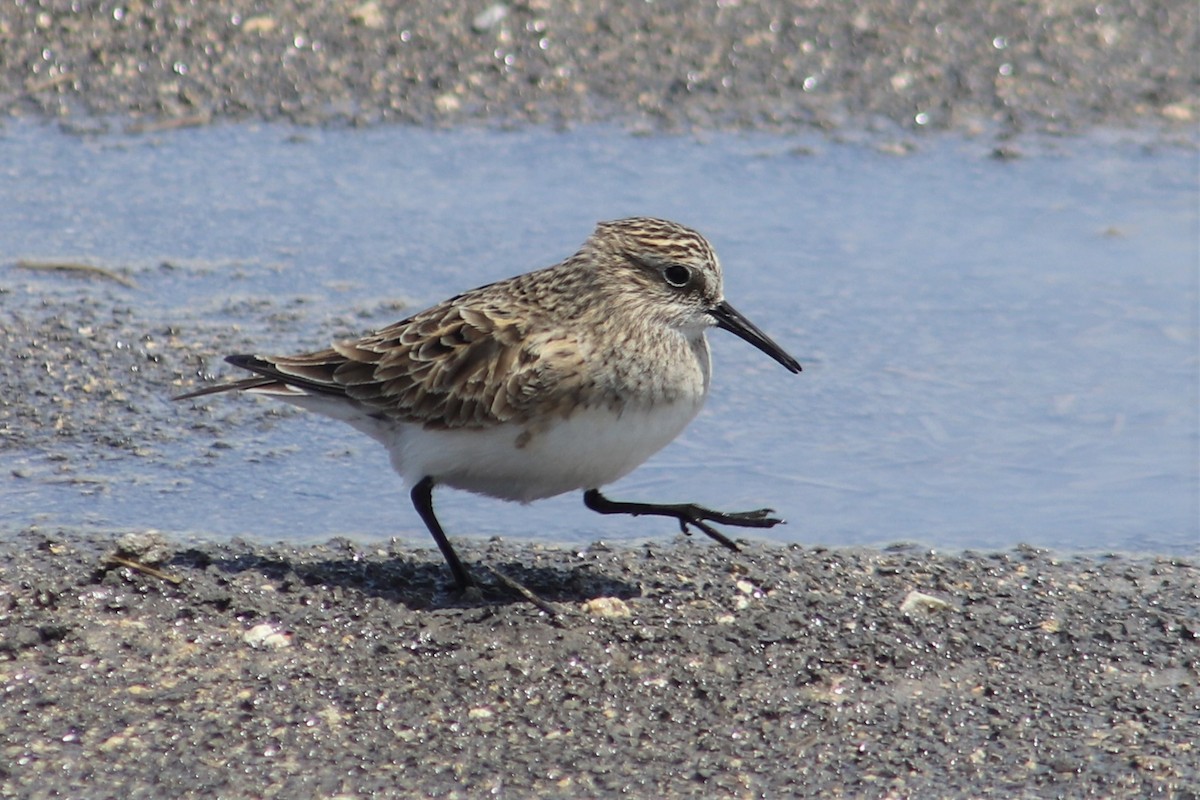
column 969, row 66
column 673, row 670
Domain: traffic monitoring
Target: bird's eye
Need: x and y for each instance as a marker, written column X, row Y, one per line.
column 677, row 275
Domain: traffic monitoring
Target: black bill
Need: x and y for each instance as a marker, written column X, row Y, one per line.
column 728, row 318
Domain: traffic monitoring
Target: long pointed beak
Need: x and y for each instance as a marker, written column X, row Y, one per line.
column 728, row 318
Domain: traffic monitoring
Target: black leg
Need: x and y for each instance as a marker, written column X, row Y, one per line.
column 422, row 498
column 686, row 513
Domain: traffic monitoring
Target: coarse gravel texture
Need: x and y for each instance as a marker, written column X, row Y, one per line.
column 673, row 670
column 667, row 65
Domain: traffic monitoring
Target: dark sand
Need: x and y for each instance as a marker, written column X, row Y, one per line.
column 971, row 66
column 347, row 670
column 782, row 671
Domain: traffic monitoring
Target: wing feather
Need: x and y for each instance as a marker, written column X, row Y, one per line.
column 458, row 365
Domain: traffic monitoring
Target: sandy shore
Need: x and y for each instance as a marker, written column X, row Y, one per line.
column 969, row 66
column 673, row 669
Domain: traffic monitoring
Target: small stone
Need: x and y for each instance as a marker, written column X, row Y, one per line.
column 146, row 547
column 920, row 603
column 447, row 103
column 369, row 15
column 259, row 24
column 1178, row 112
column 607, row 607
column 266, row 634
column 489, row 18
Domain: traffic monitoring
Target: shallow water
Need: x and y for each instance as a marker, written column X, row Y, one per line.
column 994, row 351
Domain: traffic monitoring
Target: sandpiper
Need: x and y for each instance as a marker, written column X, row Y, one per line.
column 560, row 379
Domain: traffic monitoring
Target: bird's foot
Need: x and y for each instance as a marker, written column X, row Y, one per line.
column 688, row 514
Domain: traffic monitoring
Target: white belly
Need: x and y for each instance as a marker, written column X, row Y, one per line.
column 590, row 449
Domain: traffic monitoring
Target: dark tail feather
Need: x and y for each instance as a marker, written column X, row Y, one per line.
column 306, row 377
column 311, row 372
column 237, row 386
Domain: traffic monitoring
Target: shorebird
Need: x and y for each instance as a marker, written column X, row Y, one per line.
column 561, row 379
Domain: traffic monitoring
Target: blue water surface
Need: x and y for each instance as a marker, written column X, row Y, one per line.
column 994, row 351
